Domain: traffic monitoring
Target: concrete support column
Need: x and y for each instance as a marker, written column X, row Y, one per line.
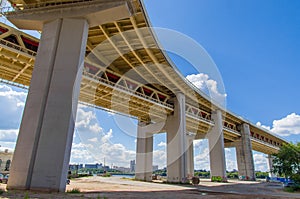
column 42, row 153
column 144, row 154
column 216, row 148
column 176, row 142
column 244, row 154
column 190, row 155
column 270, row 160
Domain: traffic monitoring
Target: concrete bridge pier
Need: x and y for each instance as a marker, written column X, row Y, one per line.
column 244, row 154
column 176, row 142
column 144, row 154
column 144, row 149
column 42, row 153
column 216, row 148
column 270, row 161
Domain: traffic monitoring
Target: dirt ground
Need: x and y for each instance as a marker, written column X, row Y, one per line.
column 115, row 187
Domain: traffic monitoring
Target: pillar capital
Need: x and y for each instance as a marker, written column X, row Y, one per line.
column 96, row 12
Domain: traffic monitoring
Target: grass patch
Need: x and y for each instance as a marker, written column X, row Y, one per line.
column 288, row 189
column 26, row 196
column 74, row 190
column 292, row 189
column 106, row 175
column 99, row 197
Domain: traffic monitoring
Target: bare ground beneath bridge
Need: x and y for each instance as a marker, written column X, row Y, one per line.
column 114, row 187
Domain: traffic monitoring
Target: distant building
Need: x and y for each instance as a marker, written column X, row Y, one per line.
column 93, row 166
column 5, row 161
column 73, row 167
column 132, row 166
column 155, row 167
column 122, row 169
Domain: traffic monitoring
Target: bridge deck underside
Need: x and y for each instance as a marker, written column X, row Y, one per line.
column 126, row 53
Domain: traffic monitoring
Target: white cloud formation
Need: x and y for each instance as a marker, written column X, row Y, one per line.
column 201, row 154
column 201, row 160
column 260, row 162
column 208, row 86
column 9, row 135
column 289, row 125
column 162, row 144
column 11, row 105
column 95, row 144
column 160, row 158
column 263, row 126
column 230, row 157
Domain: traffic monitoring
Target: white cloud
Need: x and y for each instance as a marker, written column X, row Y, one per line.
column 201, row 160
column 201, row 154
column 260, row 162
column 11, row 105
column 160, row 158
column 208, row 86
column 9, row 135
column 199, row 143
column 289, row 125
column 93, row 140
column 162, row 144
column 263, row 126
column 95, row 144
column 230, row 158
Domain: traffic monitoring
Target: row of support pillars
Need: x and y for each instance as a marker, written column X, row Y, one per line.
column 180, row 152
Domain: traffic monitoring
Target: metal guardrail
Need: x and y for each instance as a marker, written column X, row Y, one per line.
column 13, row 84
column 17, row 47
column 131, row 92
column 231, row 130
column 207, row 121
column 265, row 143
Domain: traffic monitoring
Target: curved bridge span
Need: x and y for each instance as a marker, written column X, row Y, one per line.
column 126, row 71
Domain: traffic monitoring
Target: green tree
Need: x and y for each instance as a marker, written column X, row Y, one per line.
column 287, row 161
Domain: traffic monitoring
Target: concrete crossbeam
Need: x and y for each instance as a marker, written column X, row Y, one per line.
column 95, row 12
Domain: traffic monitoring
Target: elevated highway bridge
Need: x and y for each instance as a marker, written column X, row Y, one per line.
column 125, row 70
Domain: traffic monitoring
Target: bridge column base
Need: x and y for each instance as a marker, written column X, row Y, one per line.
column 244, row 155
column 42, row 152
column 216, row 149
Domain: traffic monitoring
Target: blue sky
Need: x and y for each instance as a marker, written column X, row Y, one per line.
column 256, row 47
